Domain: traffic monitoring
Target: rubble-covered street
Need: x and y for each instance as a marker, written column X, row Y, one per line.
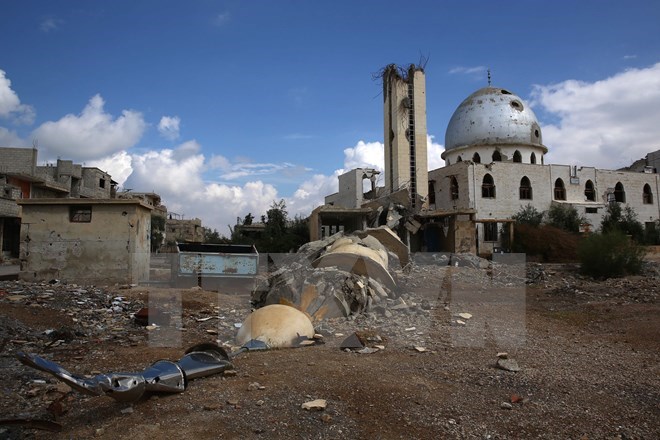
column 435, row 359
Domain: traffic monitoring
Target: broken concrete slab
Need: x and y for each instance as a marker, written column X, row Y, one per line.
column 390, row 240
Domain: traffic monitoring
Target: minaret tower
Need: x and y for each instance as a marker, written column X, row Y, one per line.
column 406, row 161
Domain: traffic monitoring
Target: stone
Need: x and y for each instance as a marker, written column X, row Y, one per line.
column 326, row 418
column 230, row 373
column 508, row 365
column 421, row 349
column 502, row 355
column 506, row 405
column 465, row 315
column 128, row 410
column 368, row 350
column 459, row 322
column 351, row 342
column 315, row 405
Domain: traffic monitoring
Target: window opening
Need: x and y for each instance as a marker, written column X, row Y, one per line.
column 647, row 195
column 497, row 157
column 589, row 191
column 490, row 231
column 525, row 189
column 476, row 158
column 80, row 214
column 517, row 157
column 454, row 188
column 488, row 187
column 560, row 190
column 619, row 193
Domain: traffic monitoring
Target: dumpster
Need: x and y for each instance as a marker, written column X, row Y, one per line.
column 213, row 266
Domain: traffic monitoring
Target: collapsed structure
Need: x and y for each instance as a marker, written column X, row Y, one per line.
column 494, row 165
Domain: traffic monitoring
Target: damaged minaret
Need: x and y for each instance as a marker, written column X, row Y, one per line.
column 404, row 108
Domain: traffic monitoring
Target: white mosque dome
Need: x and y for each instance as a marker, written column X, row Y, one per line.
column 493, row 118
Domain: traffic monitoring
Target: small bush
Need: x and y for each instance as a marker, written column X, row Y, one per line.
column 610, row 255
column 528, row 215
column 546, row 243
column 565, row 217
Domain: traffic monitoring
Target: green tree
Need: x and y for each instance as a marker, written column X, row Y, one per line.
column 624, row 220
column 528, row 215
column 214, row 237
column 565, row 217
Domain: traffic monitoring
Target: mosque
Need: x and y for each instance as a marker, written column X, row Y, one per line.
column 494, row 165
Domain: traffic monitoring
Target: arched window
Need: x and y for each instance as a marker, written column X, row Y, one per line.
column 525, row 189
column 460, row 159
column 431, row 192
column 560, row 190
column 447, row 162
column 453, row 188
column 488, row 187
column 541, row 159
column 647, row 195
column 476, row 158
column 532, row 158
column 497, row 157
column 517, row 157
column 619, row 193
column 589, row 191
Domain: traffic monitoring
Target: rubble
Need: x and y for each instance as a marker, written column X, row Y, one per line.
column 315, row 405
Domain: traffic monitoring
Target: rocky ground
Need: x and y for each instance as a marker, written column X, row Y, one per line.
column 586, row 352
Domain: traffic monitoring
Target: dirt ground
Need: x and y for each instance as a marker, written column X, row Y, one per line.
column 588, row 354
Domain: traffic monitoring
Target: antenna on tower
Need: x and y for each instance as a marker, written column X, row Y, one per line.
column 488, row 77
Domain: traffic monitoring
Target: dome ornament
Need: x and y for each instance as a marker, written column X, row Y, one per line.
column 488, row 77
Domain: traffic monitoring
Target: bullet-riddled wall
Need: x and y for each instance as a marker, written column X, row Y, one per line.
column 90, row 241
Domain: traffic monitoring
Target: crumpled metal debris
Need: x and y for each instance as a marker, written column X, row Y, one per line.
column 162, row 376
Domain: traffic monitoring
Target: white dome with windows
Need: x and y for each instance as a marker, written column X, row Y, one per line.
column 493, row 123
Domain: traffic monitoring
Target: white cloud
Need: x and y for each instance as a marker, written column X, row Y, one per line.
column 91, row 134
column 118, row 166
column 463, row 70
column 50, row 24
column 168, row 127
column 10, row 138
column 10, row 104
column 607, row 123
column 365, row 155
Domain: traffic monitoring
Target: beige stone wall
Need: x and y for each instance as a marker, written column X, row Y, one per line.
column 112, row 248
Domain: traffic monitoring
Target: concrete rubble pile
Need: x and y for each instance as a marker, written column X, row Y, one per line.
column 340, row 276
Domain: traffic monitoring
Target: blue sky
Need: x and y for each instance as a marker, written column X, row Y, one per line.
column 223, row 107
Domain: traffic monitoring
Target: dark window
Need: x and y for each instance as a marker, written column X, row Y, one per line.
column 591, row 210
column 460, row 159
column 431, row 192
column 517, row 157
column 488, row 187
column 80, row 214
column 532, row 158
column 647, row 195
column 490, row 231
column 560, row 190
column 525, row 189
column 453, row 188
column 619, row 193
column 101, row 183
column 589, row 191
column 497, row 157
column 476, row 158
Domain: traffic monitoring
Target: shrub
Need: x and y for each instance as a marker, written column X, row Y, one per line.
column 528, row 215
column 624, row 220
column 546, row 243
column 565, row 217
column 610, row 254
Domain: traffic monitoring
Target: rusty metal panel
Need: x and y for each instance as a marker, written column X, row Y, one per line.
column 217, row 260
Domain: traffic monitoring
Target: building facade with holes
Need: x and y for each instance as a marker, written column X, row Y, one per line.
column 495, row 165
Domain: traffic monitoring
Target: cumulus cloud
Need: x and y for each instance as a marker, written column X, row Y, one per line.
column 119, row 166
column 9, row 138
column 10, row 104
column 607, row 123
column 168, row 127
column 177, row 176
column 91, row 134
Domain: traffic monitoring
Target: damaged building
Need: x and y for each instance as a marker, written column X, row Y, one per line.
column 91, row 241
column 494, row 165
column 22, row 178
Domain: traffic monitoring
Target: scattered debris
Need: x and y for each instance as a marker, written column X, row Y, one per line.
column 508, row 364
column 506, row 405
column 315, row 405
column 352, row 342
column 162, row 376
